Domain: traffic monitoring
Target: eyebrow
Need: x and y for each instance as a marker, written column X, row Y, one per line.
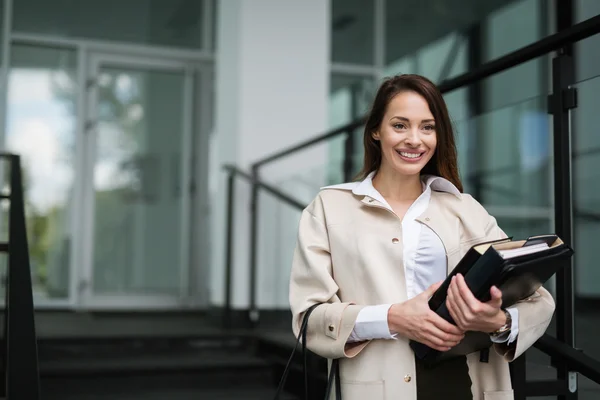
column 407, row 120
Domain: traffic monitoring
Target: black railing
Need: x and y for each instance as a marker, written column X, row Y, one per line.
column 20, row 344
column 563, row 99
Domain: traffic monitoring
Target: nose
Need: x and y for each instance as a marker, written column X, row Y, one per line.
column 413, row 137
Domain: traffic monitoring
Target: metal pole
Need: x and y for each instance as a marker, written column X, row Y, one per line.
column 253, row 310
column 22, row 374
column 349, row 156
column 229, row 248
column 518, row 371
column 561, row 101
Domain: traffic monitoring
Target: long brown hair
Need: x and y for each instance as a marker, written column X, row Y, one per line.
column 444, row 162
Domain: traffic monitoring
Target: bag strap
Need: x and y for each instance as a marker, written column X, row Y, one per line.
column 334, row 374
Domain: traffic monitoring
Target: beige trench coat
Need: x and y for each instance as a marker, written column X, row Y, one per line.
column 345, row 257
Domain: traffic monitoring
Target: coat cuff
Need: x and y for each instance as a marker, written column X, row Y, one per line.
column 372, row 323
column 329, row 328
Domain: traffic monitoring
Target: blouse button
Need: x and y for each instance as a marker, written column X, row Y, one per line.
column 407, row 378
column 395, row 240
column 331, row 328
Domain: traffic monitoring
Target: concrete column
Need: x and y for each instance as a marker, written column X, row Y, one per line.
column 272, row 84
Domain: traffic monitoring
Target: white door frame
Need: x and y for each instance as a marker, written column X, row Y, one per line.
column 87, row 298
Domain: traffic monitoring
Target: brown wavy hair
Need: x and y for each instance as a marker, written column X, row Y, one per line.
column 444, row 161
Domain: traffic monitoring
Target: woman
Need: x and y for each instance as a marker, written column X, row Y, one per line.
column 374, row 251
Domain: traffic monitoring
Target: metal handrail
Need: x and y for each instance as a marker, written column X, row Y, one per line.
column 577, row 360
column 20, row 343
column 544, row 46
column 234, row 172
column 268, row 188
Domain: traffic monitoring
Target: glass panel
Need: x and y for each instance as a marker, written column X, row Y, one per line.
column 528, row 22
column 137, row 181
column 586, row 9
column 41, row 127
column 508, row 159
column 352, row 30
column 165, row 23
column 350, row 98
column 587, row 53
column 586, row 224
column 440, row 59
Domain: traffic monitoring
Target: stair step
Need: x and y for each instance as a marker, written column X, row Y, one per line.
column 192, row 361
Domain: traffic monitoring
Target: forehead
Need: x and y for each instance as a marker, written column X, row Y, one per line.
column 409, row 105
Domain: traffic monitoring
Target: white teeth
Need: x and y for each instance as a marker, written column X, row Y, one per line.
column 410, row 155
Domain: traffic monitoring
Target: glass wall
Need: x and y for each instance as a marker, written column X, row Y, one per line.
column 586, row 192
column 138, row 181
column 164, row 23
column 41, row 119
column 115, row 221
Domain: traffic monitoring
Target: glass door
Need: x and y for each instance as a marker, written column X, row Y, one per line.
column 138, row 160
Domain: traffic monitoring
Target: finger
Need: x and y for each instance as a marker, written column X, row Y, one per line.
column 431, row 289
column 470, row 301
column 446, row 327
column 439, row 338
column 454, row 313
column 496, row 297
column 435, row 347
column 460, row 307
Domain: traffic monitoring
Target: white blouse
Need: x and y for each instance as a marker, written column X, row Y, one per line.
column 424, row 259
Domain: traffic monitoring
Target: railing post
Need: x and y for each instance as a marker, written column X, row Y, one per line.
column 349, row 156
column 229, row 247
column 253, row 310
column 518, row 370
column 562, row 100
column 22, row 375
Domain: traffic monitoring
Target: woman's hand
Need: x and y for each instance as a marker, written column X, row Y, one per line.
column 470, row 314
column 415, row 320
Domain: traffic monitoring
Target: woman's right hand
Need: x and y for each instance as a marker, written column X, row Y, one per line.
column 415, row 320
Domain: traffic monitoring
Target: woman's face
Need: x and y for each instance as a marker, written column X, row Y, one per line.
column 406, row 134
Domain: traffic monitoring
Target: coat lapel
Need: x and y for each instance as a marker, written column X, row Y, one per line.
column 444, row 224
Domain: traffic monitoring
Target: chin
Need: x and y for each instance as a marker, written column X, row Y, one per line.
column 409, row 170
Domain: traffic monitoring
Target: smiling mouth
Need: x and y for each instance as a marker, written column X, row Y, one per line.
column 410, row 156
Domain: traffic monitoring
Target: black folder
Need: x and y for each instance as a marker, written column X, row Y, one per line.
column 517, row 268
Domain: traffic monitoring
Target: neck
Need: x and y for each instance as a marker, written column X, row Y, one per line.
column 397, row 187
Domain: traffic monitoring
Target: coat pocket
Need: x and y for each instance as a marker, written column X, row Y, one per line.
column 499, row 395
column 363, row 390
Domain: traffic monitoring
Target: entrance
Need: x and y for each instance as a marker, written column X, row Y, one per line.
column 137, row 159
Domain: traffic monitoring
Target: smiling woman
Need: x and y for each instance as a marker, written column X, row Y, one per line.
column 371, row 253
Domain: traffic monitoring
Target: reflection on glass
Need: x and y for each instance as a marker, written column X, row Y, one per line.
column 352, row 30
column 137, row 176
column 40, row 126
column 507, row 159
column 586, row 222
column 438, row 60
column 350, row 98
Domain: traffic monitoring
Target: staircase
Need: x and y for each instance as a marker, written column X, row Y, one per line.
column 219, row 368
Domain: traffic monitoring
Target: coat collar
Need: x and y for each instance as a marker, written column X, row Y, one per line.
column 365, row 187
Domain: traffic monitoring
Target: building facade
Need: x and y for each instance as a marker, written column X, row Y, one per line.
column 125, row 113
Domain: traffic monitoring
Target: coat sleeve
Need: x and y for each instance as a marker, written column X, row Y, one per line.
column 535, row 312
column 311, row 282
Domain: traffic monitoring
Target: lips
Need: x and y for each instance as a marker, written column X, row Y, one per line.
column 410, row 155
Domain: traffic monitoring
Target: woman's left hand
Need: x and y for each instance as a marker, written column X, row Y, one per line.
column 470, row 314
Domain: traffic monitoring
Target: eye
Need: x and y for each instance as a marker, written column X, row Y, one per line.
column 429, row 127
column 399, row 125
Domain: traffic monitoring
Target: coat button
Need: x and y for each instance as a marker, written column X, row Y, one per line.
column 331, row 328
column 395, row 240
column 407, row 378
